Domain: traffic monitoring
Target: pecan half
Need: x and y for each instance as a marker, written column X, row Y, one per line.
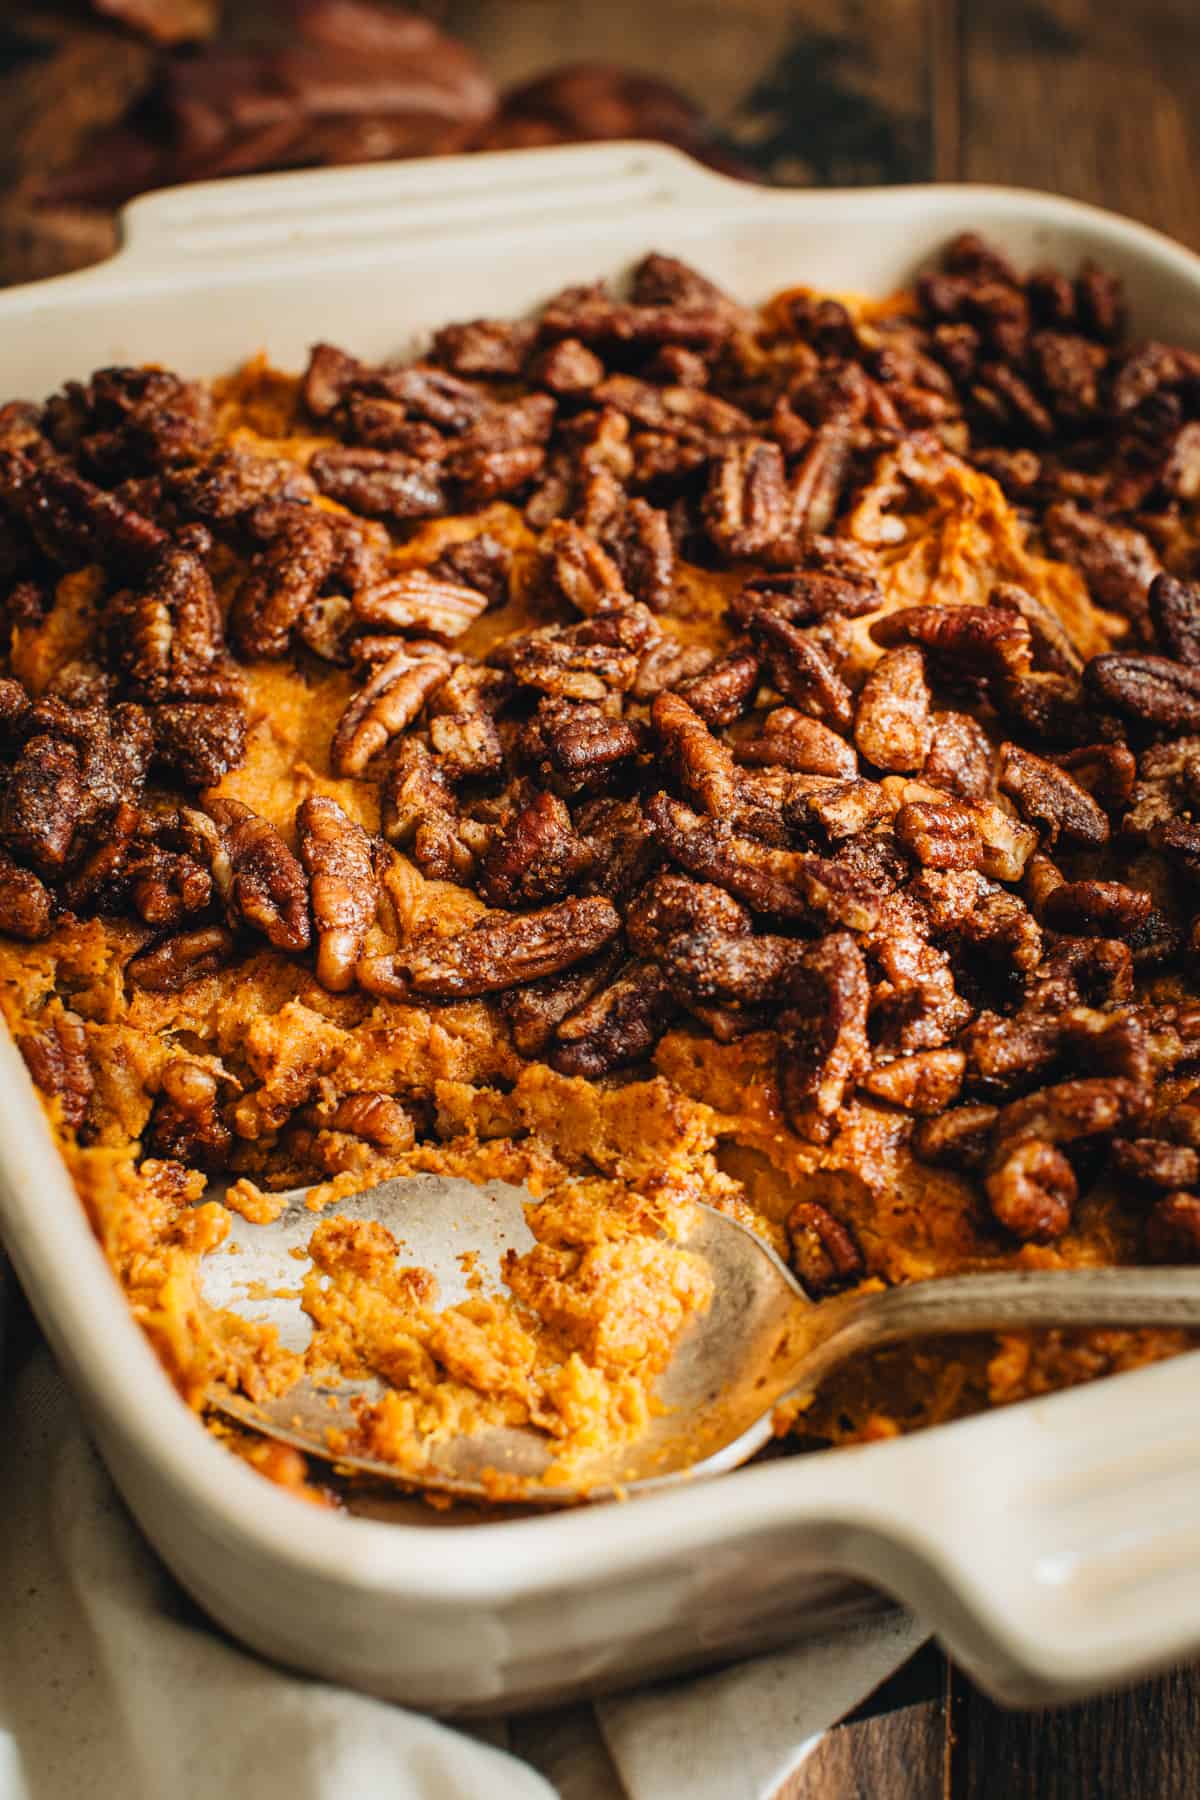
column 1151, row 690
column 257, row 877
column 821, row 1250
column 702, row 763
column 940, row 834
column 535, row 1010
column 383, row 484
column 578, row 747
column 974, row 640
column 1048, row 797
column 389, row 701
column 960, row 757
column 573, row 567
column 535, row 856
column 926, row 1083
column 336, row 854
column 165, row 636
column 786, row 883
column 1032, row 1192
column 419, row 600
column 58, row 1063
column 498, row 953
column 1175, row 614
column 618, row 1025
column 746, row 504
column 26, row 904
column 198, row 741
column 185, row 1124
column 800, row 669
column 1117, row 563
column 722, row 692
column 168, row 967
column 283, row 579
column 823, row 1048
column 419, row 809
column 1104, row 909
column 892, row 724
column 671, row 905
column 791, row 740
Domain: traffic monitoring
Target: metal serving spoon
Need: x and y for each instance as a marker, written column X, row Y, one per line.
column 761, row 1341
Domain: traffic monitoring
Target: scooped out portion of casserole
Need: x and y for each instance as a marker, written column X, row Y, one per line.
column 655, row 751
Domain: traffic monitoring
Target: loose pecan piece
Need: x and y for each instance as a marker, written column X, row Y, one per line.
column 1052, row 644
column 622, row 842
column 671, row 906
column 1106, row 771
column 284, row 578
column 940, row 834
column 791, row 740
column 257, row 877
column 821, row 1250
column 959, row 1138
column 389, row 701
column 336, row 854
column 481, row 562
column 786, row 883
column 667, row 664
column 566, row 367
column 484, row 346
column 1032, row 1192
column 1175, row 614
column 892, row 725
column 433, row 394
column 1097, row 909
column 329, row 377
column 584, row 661
column 383, row 484
column 807, row 596
column 535, row 856
column 534, row 1011
column 817, row 485
column 1173, row 1229
column 573, row 567
column 1117, row 563
column 708, row 964
column 73, row 521
column 926, row 1083
column 198, row 741
column 960, row 757
column 1048, row 797
column 977, row 641
column 836, row 809
column 644, row 549
column 418, row 808
column 418, row 599
column 800, row 669
column 26, row 904
column 722, row 692
column 58, row 1063
column 701, row 762
column 823, row 1047
column 578, row 747
column 185, row 1124
column 498, row 953
column 462, row 725
column 165, row 636
column 1156, row 1165
column 168, row 967
column 618, row 1025
column 746, row 503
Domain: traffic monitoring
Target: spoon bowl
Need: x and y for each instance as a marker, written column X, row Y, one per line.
column 762, row 1340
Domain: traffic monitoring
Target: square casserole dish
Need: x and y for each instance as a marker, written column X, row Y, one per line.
column 1055, row 1546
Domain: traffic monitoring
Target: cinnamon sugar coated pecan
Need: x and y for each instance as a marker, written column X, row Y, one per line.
column 657, row 749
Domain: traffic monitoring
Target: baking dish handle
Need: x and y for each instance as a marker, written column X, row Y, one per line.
column 452, row 198
column 1054, row 1546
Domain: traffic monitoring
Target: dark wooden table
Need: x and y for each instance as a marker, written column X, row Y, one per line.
column 1094, row 98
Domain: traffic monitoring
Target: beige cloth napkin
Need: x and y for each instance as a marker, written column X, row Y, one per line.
column 113, row 1684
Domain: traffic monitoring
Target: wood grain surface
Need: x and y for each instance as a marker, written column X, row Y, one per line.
column 1099, row 99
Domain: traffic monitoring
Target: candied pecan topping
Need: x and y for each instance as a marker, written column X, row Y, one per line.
column 584, row 661
column 26, row 904
column 791, row 740
column 418, row 600
column 1173, row 1229
column 186, row 1123
column 535, row 856
column 1097, row 908
column 671, row 906
column 58, row 1063
column 1117, row 563
column 1175, row 615
column 500, row 952
column 960, row 756
column 484, row 346
column 578, row 747
column 480, row 562
column 1033, row 1191
column 618, row 1025
column 926, row 1083
column 419, row 809
column 168, row 967
column 959, row 1138
column 165, row 635
column 198, row 741
column 534, row 1010
column 977, row 640
column 892, row 725
column 940, row 834
column 786, row 883
column 1156, row 1165
column 702, row 764
column 574, row 568
column 385, row 704
column 1049, row 798
column 721, row 692
column 821, row 1250
column 823, row 1048
column 383, row 484
column 329, row 377
column 836, row 809
column 71, row 519
column 800, row 669
column 566, row 367
column 746, row 505
column 257, row 877
column 283, row 579
column 336, row 854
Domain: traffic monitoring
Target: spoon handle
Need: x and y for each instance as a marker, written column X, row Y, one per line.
column 1052, row 1297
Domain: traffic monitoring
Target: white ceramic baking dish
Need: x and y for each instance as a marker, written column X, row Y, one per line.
column 1055, row 1546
